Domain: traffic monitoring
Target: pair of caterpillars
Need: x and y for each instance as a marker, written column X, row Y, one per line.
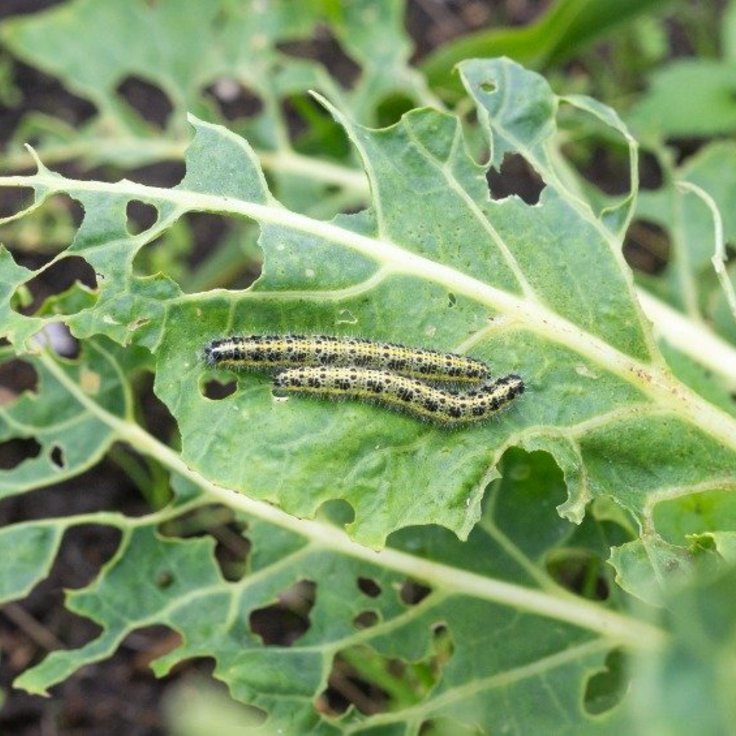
column 389, row 374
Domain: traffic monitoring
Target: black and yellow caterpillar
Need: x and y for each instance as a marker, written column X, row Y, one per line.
column 388, row 374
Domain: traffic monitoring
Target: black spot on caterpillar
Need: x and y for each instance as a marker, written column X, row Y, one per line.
column 437, row 405
column 266, row 352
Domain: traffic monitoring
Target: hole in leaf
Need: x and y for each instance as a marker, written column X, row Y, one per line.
column 232, row 549
column 337, row 511
column 370, row 587
column 141, row 216
column 580, row 572
column 232, row 546
column 365, row 620
column 87, row 548
column 451, row 300
column 57, row 281
column 598, row 153
column 197, row 523
column 217, row 389
column 16, row 377
column 163, row 579
column 324, row 48
column 605, row 169
column 16, row 451
column 234, row 100
column 647, row 247
column 470, row 119
column 312, row 130
column 685, row 148
column 650, row 172
column 413, row 593
column 165, row 174
column 517, row 177
column 83, row 550
column 42, row 92
column 287, row 620
column 531, row 480
column 374, row 683
column 148, row 643
column 14, row 200
column 202, row 251
column 391, row 108
column 489, row 86
column 148, row 100
column 56, row 335
column 351, row 683
column 57, row 457
column 605, row 690
column 442, row 645
column 42, row 233
column 170, row 254
column 157, row 418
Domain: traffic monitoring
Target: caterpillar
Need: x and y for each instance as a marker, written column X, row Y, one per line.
column 267, row 352
column 437, row 405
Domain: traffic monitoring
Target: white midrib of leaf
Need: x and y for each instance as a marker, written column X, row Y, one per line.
column 563, row 606
column 690, row 337
column 283, row 160
column 655, row 381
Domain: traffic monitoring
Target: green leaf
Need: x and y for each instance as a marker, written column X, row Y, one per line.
column 562, row 31
column 434, row 263
column 32, row 547
column 482, row 663
column 708, row 86
column 473, row 603
column 70, row 437
column 184, row 50
column 692, row 209
column 687, row 280
column 196, row 41
column 688, row 684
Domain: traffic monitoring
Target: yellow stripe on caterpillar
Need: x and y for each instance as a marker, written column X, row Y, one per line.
column 268, row 352
column 440, row 406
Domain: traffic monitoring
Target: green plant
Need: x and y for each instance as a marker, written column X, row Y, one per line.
column 457, row 580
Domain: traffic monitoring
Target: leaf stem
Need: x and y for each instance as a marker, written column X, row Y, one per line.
column 692, row 339
column 655, row 381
